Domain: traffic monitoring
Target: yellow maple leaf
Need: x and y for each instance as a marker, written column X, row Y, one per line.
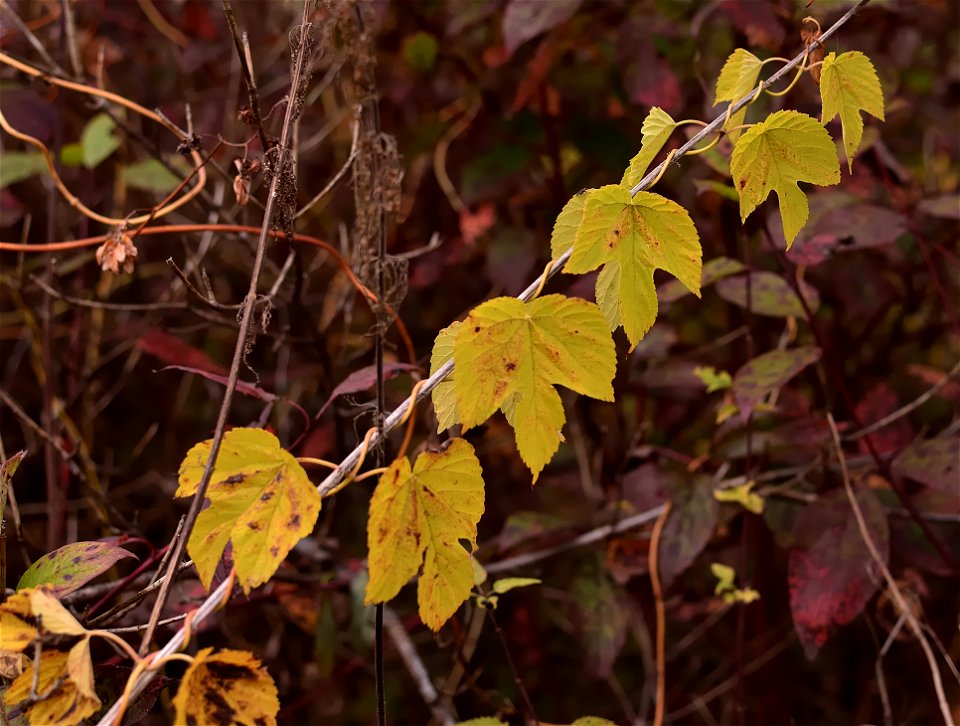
column 510, row 354
column 774, row 156
column 418, row 517
column 261, row 500
column 737, row 78
column 224, row 688
column 656, row 129
column 849, row 85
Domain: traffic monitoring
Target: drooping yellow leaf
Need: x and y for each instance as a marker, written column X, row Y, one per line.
column 849, row 85
column 419, row 517
column 67, row 694
column 656, row 129
column 224, row 688
column 738, row 77
column 567, row 226
column 261, row 501
column 632, row 237
column 510, row 354
column 773, row 156
column 444, row 395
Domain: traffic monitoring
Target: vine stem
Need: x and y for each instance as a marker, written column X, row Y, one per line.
column 242, row 336
column 661, row 642
column 895, row 594
column 210, row 604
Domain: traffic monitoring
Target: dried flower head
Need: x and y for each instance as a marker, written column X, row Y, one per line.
column 117, row 250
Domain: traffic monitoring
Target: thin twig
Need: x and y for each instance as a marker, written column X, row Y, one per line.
column 31, row 37
column 904, row 410
column 415, row 667
column 238, row 353
column 336, row 177
column 895, row 594
column 247, row 73
column 661, row 633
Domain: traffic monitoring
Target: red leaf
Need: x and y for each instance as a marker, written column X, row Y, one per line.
column 649, row 80
column 689, row 526
column 474, row 224
column 879, row 402
column 171, row 350
column 364, row 379
column 537, row 70
column 830, row 580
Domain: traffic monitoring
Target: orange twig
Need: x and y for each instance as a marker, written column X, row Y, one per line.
column 661, row 614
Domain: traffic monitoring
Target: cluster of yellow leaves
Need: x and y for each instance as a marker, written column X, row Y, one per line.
column 790, row 147
column 63, row 674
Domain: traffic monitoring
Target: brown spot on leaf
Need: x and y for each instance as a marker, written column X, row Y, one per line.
column 254, row 526
column 266, row 496
column 742, row 183
column 294, row 522
column 510, row 365
column 274, row 551
column 234, row 479
column 223, row 713
column 76, row 560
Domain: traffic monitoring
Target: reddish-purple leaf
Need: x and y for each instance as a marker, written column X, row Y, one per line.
column 716, row 269
column 689, row 526
column 767, row 373
column 172, row 350
column 934, row 462
column 831, row 580
column 770, row 294
column 601, row 621
column 756, row 20
column 649, row 80
column 526, row 19
column 72, row 566
column 880, row 401
column 364, row 379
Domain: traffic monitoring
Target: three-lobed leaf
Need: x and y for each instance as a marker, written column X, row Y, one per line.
column 261, row 501
column 774, row 156
column 631, row 236
column 656, row 129
column 511, row 354
column 418, row 517
column 849, row 85
column 737, row 78
column 226, row 687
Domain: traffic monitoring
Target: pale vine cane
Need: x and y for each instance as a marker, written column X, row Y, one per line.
column 349, row 465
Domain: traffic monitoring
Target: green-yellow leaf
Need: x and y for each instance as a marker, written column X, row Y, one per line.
column 15, row 166
column 510, row 354
column 713, row 379
column 98, row 141
column 261, row 500
column 656, row 129
column 633, row 237
column 419, row 517
column 738, row 77
column 72, row 566
column 568, row 222
column 725, row 576
column 849, row 85
column 773, row 156
column 507, row 584
column 444, row 395
column 741, row 495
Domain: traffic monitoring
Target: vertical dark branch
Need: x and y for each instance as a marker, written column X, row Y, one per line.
column 247, row 74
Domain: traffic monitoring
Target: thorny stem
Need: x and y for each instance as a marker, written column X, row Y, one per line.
column 238, row 353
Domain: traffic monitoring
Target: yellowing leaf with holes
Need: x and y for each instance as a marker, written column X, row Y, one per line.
column 444, row 395
column 64, row 672
column 224, row 688
column 738, row 77
column 632, row 237
column 510, row 353
column 418, row 518
column 773, row 156
column 656, row 129
column 849, row 85
column 261, row 501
